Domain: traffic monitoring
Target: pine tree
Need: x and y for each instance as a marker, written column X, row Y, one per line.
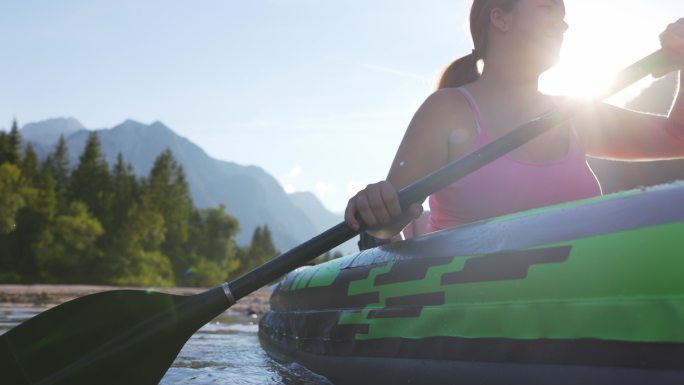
column 29, row 164
column 13, row 144
column 211, row 254
column 260, row 250
column 167, row 192
column 11, row 203
column 9, row 145
column 26, row 222
column 125, row 193
column 59, row 164
column 11, row 199
column 4, row 146
column 67, row 253
column 132, row 241
column 123, row 246
column 90, row 182
column 33, row 220
column 262, row 247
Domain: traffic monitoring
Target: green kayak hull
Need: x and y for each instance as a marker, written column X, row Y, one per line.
column 587, row 292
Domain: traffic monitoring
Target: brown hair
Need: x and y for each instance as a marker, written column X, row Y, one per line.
column 464, row 70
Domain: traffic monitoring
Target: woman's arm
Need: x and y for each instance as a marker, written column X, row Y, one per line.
column 614, row 133
column 424, row 148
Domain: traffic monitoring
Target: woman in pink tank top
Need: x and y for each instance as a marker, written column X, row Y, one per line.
column 516, row 40
column 510, row 185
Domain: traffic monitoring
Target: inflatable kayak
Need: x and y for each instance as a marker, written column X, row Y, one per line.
column 587, row 292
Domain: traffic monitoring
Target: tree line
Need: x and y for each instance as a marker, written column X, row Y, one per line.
column 96, row 224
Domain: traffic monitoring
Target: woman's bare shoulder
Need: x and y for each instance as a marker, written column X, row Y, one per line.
column 444, row 109
column 451, row 98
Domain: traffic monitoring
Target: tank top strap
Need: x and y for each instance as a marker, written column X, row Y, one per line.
column 474, row 108
column 575, row 147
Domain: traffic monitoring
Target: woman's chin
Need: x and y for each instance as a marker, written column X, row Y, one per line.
column 548, row 58
column 551, row 61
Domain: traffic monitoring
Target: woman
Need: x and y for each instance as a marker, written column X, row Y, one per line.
column 517, row 40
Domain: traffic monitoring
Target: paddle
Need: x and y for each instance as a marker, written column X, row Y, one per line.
column 129, row 337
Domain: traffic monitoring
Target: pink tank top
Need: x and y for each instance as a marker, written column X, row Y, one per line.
column 508, row 185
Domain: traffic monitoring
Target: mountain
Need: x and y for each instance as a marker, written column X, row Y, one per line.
column 47, row 132
column 44, row 134
column 249, row 193
column 320, row 216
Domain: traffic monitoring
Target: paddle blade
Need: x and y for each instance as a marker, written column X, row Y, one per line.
column 116, row 337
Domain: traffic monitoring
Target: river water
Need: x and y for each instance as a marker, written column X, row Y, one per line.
column 225, row 351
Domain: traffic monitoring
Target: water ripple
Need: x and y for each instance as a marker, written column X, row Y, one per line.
column 225, row 351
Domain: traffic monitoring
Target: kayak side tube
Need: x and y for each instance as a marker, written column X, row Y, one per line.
column 588, row 291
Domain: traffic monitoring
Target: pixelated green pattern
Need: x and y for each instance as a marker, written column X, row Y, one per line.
column 319, row 275
column 606, row 289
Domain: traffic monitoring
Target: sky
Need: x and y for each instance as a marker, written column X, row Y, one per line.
column 316, row 92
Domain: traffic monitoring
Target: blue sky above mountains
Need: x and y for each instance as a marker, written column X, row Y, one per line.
column 316, row 92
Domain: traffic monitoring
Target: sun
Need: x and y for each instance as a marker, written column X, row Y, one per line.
column 604, row 37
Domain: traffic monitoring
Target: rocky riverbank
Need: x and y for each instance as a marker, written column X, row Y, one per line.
column 252, row 306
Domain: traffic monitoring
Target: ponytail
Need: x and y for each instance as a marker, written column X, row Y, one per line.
column 464, row 70
column 460, row 72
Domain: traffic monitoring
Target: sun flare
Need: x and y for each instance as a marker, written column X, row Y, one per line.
column 604, row 37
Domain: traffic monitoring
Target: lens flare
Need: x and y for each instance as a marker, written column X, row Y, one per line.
column 602, row 39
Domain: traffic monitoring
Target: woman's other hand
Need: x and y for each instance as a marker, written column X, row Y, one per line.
column 672, row 42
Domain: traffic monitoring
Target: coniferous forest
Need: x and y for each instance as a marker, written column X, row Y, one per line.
column 95, row 223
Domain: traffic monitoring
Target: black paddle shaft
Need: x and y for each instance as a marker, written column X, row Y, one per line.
column 419, row 190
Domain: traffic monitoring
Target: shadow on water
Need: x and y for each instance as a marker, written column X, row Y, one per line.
column 225, row 351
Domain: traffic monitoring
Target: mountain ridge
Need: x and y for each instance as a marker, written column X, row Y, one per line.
column 249, row 193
